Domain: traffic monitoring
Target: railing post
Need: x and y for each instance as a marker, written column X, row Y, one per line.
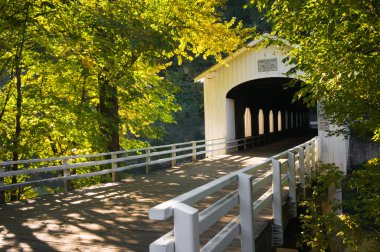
column 307, row 167
column 246, row 213
column 66, row 172
column 194, row 145
column 245, row 143
column 186, row 228
column 2, row 192
column 313, row 157
column 292, row 184
column 278, row 235
column 174, row 154
column 316, row 149
column 301, row 162
column 147, row 161
column 114, row 166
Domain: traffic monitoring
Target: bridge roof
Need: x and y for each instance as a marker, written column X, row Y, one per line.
column 254, row 44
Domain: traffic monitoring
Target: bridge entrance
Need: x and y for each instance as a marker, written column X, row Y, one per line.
column 245, row 95
column 264, row 106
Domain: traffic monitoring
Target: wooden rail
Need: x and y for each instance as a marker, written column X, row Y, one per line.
column 67, row 168
column 286, row 168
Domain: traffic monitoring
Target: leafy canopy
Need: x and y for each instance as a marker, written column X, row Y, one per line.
column 337, row 56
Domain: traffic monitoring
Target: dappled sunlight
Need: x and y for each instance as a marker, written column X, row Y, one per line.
column 114, row 216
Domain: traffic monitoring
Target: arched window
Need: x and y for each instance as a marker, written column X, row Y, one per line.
column 286, row 120
column 271, row 123
column 279, row 121
column 247, row 123
column 261, row 122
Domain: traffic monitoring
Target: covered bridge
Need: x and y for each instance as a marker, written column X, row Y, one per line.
column 247, row 95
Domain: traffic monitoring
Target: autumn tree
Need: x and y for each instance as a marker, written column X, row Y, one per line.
column 337, row 56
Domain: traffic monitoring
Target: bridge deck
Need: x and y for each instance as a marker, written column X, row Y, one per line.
column 113, row 217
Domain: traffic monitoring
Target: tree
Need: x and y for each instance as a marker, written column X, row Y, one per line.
column 337, row 54
column 88, row 75
column 127, row 44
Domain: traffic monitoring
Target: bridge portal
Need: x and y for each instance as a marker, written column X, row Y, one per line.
column 248, row 94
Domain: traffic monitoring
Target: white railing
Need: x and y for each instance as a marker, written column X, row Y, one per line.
column 189, row 224
column 67, row 168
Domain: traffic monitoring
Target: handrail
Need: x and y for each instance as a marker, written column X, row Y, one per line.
column 145, row 157
column 283, row 169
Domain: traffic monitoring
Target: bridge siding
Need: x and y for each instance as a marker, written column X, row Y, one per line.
column 113, row 217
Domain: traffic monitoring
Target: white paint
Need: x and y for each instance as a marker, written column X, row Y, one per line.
column 188, row 224
column 230, row 119
column 220, row 79
column 331, row 149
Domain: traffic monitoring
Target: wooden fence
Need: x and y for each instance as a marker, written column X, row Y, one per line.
column 287, row 168
column 67, row 168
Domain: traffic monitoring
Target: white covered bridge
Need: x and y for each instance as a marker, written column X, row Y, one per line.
column 248, row 94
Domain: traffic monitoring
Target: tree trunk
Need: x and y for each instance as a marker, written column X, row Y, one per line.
column 16, row 138
column 108, row 108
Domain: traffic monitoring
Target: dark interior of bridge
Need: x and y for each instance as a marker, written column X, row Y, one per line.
column 274, row 97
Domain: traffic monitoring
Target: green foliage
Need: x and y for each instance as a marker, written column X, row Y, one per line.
column 321, row 230
column 327, row 176
column 362, row 199
column 88, row 75
column 337, row 56
column 360, row 220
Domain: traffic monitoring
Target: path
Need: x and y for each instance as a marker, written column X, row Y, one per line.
column 113, row 217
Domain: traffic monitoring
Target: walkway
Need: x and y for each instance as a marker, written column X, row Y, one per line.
column 113, row 217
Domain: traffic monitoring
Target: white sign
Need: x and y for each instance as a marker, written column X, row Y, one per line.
column 323, row 122
column 267, row 65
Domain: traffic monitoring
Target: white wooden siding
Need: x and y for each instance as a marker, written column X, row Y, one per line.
column 219, row 81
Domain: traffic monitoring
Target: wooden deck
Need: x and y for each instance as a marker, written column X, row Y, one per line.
column 113, row 217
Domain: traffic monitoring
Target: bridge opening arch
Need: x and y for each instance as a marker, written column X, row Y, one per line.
column 266, row 98
column 261, row 122
column 247, row 123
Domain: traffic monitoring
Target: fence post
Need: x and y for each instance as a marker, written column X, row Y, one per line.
column 147, row 161
column 2, row 192
column 301, row 162
column 313, row 157
column 247, row 239
column 194, row 145
column 114, row 166
column 186, row 228
column 245, row 143
column 174, row 154
column 278, row 235
column 316, row 148
column 307, row 167
column 66, row 172
column 292, row 184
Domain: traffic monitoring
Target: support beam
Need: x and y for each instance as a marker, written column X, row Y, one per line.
column 246, row 213
column 278, row 233
column 186, row 228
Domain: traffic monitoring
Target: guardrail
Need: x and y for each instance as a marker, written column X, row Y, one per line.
column 189, row 223
column 67, row 168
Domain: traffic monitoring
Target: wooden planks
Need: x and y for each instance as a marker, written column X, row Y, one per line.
column 114, row 217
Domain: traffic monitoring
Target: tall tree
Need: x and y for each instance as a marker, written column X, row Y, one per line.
column 129, row 43
column 88, row 75
column 338, row 46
